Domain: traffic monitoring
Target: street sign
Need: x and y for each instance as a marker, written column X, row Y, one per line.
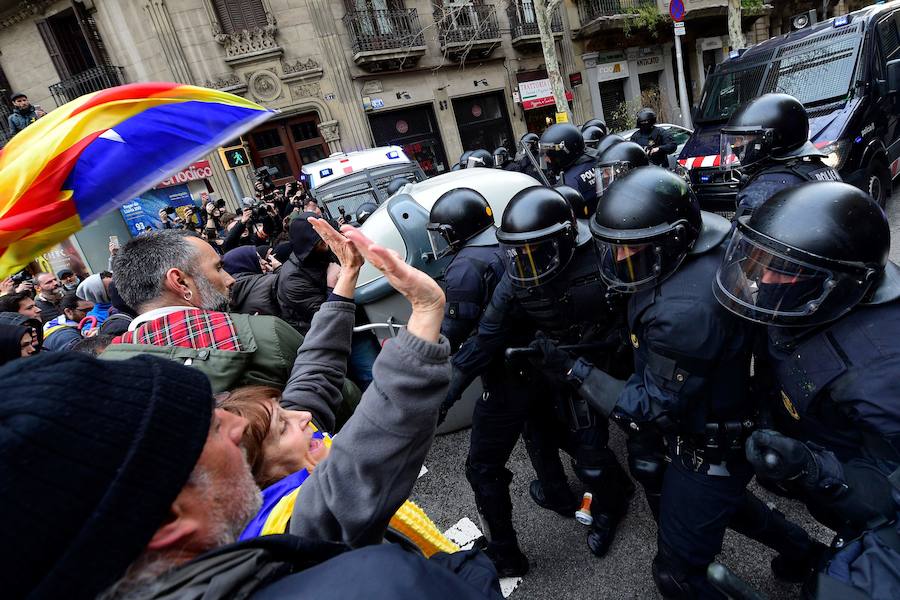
column 233, row 157
column 562, row 117
column 677, row 10
column 679, row 28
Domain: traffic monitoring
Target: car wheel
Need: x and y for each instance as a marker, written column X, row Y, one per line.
column 878, row 182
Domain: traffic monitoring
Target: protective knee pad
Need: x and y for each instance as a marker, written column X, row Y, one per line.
column 487, row 475
column 648, row 469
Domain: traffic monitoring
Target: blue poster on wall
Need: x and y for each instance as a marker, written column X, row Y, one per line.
column 142, row 213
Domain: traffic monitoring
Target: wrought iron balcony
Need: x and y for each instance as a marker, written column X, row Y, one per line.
column 589, row 10
column 385, row 39
column 523, row 23
column 468, row 30
column 92, row 80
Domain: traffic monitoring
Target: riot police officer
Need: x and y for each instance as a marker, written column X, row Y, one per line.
column 655, row 141
column 464, row 159
column 811, row 263
column 690, row 386
column 527, row 161
column 563, row 151
column 552, row 284
column 595, row 123
column 461, row 223
column 616, row 161
column 501, row 158
column 479, row 158
column 592, row 137
column 767, row 142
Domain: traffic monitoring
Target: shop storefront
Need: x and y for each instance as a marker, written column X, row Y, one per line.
column 186, row 188
column 536, row 98
column 287, row 145
column 483, row 122
column 416, row 130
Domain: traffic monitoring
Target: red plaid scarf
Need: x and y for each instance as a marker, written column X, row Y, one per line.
column 189, row 328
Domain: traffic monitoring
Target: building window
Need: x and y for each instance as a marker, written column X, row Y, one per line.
column 287, row 145
column 240, row 15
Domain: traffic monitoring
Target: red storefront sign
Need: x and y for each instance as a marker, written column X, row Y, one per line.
column 537, row 94
column 198, row 170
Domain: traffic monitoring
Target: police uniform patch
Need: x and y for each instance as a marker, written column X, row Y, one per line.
column 634, row 341
column 789, row 406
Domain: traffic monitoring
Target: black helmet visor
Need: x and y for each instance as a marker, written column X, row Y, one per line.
column 533, row 263
column 439, row 236
column 628, row 267
column 769, row 287
column 742, row 147
column 606, row 174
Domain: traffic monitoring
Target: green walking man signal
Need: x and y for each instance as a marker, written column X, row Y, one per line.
column 235, row 156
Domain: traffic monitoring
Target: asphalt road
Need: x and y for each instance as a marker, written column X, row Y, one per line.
column 561, row 565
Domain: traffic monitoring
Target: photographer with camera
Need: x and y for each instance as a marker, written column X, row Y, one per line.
column 255, row 226
column 169, row 219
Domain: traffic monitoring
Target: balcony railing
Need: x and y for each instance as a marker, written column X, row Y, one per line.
column 588, row 10
column 92, row 80
column 523, row 21
column 383, row 30
column 467, row 24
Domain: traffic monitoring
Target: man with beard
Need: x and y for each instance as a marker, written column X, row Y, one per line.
column 137, row 487
column 177, row 285
column 48, row 293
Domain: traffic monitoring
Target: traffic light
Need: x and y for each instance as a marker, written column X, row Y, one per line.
column 234, row 156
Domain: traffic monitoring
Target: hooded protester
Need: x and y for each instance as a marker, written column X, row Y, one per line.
column 282, row 252
column 120, row 314
column 95, row 289
column 253, row 292
column 15, row 342
column 32, row 323
column 68, row 279
column 303, row 281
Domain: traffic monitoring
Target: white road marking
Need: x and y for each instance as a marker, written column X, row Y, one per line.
column 422, row 471
column 464, row 534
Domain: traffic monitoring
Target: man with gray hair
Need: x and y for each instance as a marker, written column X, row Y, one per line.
column 178, row 286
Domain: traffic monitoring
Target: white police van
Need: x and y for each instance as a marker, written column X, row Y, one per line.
column 343, row 182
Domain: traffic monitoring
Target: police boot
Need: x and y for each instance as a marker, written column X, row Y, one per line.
column 602, row 533
column 492, row 499
column 557, row 497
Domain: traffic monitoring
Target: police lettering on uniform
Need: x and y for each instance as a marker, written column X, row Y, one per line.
column 811, row 263
column 551, row 283
column 687, row 402
column 655, row 141
column 462, row 223
column 766, row 143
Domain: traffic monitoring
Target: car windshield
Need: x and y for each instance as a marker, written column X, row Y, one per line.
column 812, row 72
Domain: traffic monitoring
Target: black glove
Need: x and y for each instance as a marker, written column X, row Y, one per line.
column 777, row 457
column 458, row 384
column 553, row 362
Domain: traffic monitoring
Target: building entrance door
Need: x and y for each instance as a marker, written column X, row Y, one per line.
column 287, row 145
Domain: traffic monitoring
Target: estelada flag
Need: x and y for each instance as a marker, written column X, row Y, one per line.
column 95, row 153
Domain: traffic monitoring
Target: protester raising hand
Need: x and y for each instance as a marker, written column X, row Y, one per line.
column 423, row 292
column 347, row 254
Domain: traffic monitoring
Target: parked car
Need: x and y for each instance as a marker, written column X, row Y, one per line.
column 845, row 71
column 679, row 134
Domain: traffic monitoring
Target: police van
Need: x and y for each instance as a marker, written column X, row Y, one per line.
column 343, row 182
column 845, row 71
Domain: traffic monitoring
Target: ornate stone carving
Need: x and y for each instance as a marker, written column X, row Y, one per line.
column 247, row 42
column 331, row 131
column 224, row 81
column 24, row 10
column 307, row 90
column 265, row 85
column 301, row 66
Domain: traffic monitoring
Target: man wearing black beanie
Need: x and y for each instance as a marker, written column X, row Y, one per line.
column 136, row 486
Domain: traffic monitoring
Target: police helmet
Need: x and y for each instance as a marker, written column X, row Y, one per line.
column 646, row 119
column 580, row 207
column 530, row 140
column 538, row 235
column 464, row 159
column 480, row 158
column 607, row 142
column 561, row 145
column 617, row 160
column 773, row 126
column 395, row 185
column 592, row 136
column 458, row 216
column 595, row 123
column 805, row 257
column 646, row 224
column 501, row 157
column 365, row 211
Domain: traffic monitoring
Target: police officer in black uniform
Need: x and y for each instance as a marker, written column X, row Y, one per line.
column 479, row 158
column 616, row 161
column 690, row 386
column 552, row 285
column 501, row 158
column 563, row 152
column 528, row 157
column 811, row 262
column 592, row 137
column 655, row 141
column 767, row 142
column 462, row 223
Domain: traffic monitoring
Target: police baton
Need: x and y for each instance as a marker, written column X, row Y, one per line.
column 513, row 354
column 534, row 163
column 735, row 588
